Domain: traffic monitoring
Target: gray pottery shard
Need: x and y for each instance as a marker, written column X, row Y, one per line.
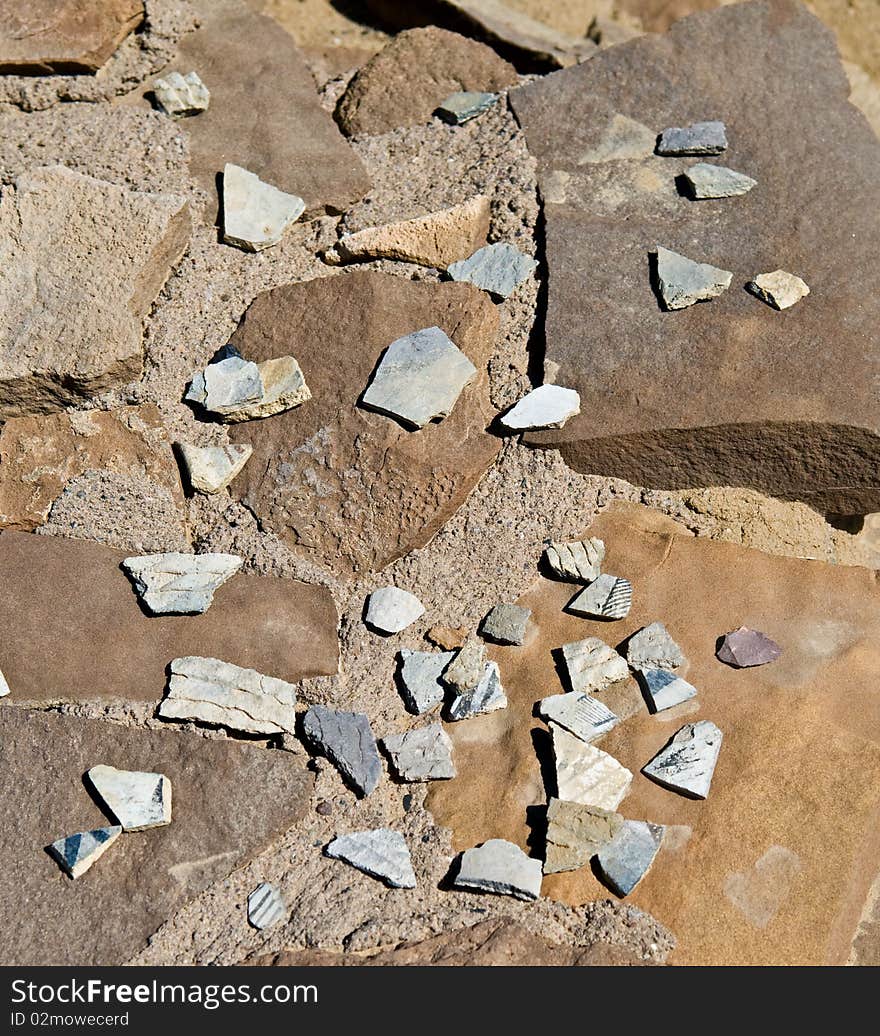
column 498, row 269
column 626, row 859
column 705, row 180
column 381, row 853
column 700, row 138
column 347, row 740
column 608, row 597
column 424, row 754
column 465, row 105
column 687, row 763
column 501, row 867
column 684, row 282
column 653, row 648
column 420, row 672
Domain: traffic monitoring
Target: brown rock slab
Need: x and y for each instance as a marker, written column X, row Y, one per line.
column 40, row 455
column 230, row 802
column 405, row 83
column 496, row 943
column 800, row 768
column 349, row 489
column 81, row 262
column 264, row 115
column 73, row 595
column 727, row 393
column 45, row 37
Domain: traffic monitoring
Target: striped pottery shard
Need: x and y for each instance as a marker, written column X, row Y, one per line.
column 592, row 665
column 628, row 856
column 608, row 597
column 266, row 906
column 180, row 584
column 664, row 689
column 586, row 774
column 76, row 853
column 135, row 800
column 687, row 763
column 586, row 717
column 578, row 562
column 381, row 853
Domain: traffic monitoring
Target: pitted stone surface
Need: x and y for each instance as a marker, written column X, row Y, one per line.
column 381, row 853
column 347, row 740
column 501, row 867
column 687, row 763
column 180, row 584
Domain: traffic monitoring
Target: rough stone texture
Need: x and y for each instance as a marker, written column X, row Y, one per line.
column 506, row 624
column 347, row 740
column 653, row 648
column 575, row 833
column 346, row 488
column 548, row 406
column 382, row 853
column 209, row 469
column 687, row 763
column 587, row 774
column 628, row 856
column 498, row 268
column 438, row 239
column 608, row 597
column 705, row 180
column 577, row 562
column 663, row 689
column 391, row 609
column 461, row 107
column 743, row 648
column 586, row 717
column 421, row 755
column 779, row 289
column 76, row 853
column 487, row 696
column 40, row 455
column 231, row 800
column 405, row 83
column 420, row 682
column 683, row 282
column 208, row 690
column 135, row 800
column 181, row 95
column 722, row 384
column 41, row 37
column 419, row 378
column 700, row 138
column 255, row 214
column 591, row 665
column 179, row 584
column 74, row 596
column 467, row 668
column 501, row 867
column 74, row 289
column 266, row 906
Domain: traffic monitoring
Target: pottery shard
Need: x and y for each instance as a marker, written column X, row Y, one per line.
column 438, row 239
column 715, row 181
column 499, row 269
column 421, row 755
column 687, row 763
column 76, row 853
column 664, row 689
column 575, row 833
column 135, row 800
column 652, row 408
column 180, row 95
column 506, row 624
column 742, row 648
column 700, row 138
column 390, row 609
column 578, row 562
column 653, row 648
column 266, row 906
column 461, row 107
column 548, row 406
column 501, row 867
column 235, row 389
column 347, row 740
column 406, row 81
column 73, row 595
column 208, row 690
column 265, row 114
column 586, row 774
column 608, row 597
column 381, row 853
column 585, row 717
column 180, row 584
column 346, row 488
column 592, row 665
column 209, row 469
column 420, row 672
column 70, row 37
column 231, row 801
column 40, row 455
column 75, row 288
column 255, row 214
column 627, row 857
column 4, row 686
column 683, row 282
column 779, row 289
column 487, row 696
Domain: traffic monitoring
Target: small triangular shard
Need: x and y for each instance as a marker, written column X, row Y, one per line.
column 76, row 853
column 687, row 763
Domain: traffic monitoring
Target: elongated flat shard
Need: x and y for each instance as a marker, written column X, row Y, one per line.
column 76, row 853
column 585, row 717
column 700, row 138
column 682, row 282
column 461, row 107
column 255, row 214
column 664, row 689
column 626, row 859
column 687, row 763
column 347, row 740
column 500, row 866
column 180, row 584
column 548, row 406
column 266, row 906
column 421, row 755
column 381, row 853
column 592, row 665
column 578, row 562
column 586, row 774
column 136, row 800
column 420, row 671
column 608, row 597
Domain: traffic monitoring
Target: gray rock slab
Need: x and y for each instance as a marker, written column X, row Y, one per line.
column 608, row 597
column 575, row 833
column 210, row 469
column 577, row 562
column 419, row 378
column 487, row 696
column 135, row 800
column 501, row 867
column 700, row 138
column 180, row 584
column 585, row 717
column 381, row 853
column 255, row 214
column 687, row 763
column 507, row 623
column 498, row 269
column 779, row 289
column 181, row 95
column 586, row 774
column 347, row 740
column 548, row 406
column 76, row 853
column 592, row 665
column 266, row 906
column 653, row 648
column 465, row 105
column 664, row 689
column 467, row 667
column 626, row 859
column 391, row 609
column 421, row 755
column 743, row 647
column 207, row 690
column 420, row 672
column 683, row 282
column 705, row 180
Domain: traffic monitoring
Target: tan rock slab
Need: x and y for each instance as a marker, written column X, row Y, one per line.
column 39, row 455
column 81, row 262
column 73, row 595
column 230, row 802
column 345, row 488
column 45, row 37
column 575, row 833
column 818, row 701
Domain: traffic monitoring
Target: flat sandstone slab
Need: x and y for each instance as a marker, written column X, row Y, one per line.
column 81, row 262
column 727, row 392
column 73, row 595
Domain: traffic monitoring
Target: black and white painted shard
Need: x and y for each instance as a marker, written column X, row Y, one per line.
column 266, row 906
column 608, row 597
column 585, row 717
column 687, row 763
column 76, row 853
column 664, row 689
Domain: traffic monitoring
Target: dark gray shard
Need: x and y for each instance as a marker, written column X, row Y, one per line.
column 687, row 763
column 348, row 741
column 743, row 647
column 700, row 138
column 465, row 105
column 626, row 859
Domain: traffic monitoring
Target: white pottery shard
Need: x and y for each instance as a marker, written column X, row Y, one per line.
column 180, row 95
column 585, row 717
column 266, row 906
column 420, row 672
column 779, row 289
column 391, row 609
column 687, row 763
column 548, row 406
column 586, row 774
column 381, row 853
column 180, row 584
column 498, row 269
column 608, row 597
column 487, row 696
column 684, row 282
column 220, row 693
column 255, row 214
column 664, row 689
column 421, row 755
column 76, row 853
column 626, row 859
column 136, row 800
column 592, row 665
column 501, row 867
column 210, row 469
column 4, row 686
column 578, row 562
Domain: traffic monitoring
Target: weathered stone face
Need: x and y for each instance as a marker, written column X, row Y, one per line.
column 81, row 262
column 230, row 801
column 349, row 489
column 727, row 392
column 73, row 595
column 44, row 37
